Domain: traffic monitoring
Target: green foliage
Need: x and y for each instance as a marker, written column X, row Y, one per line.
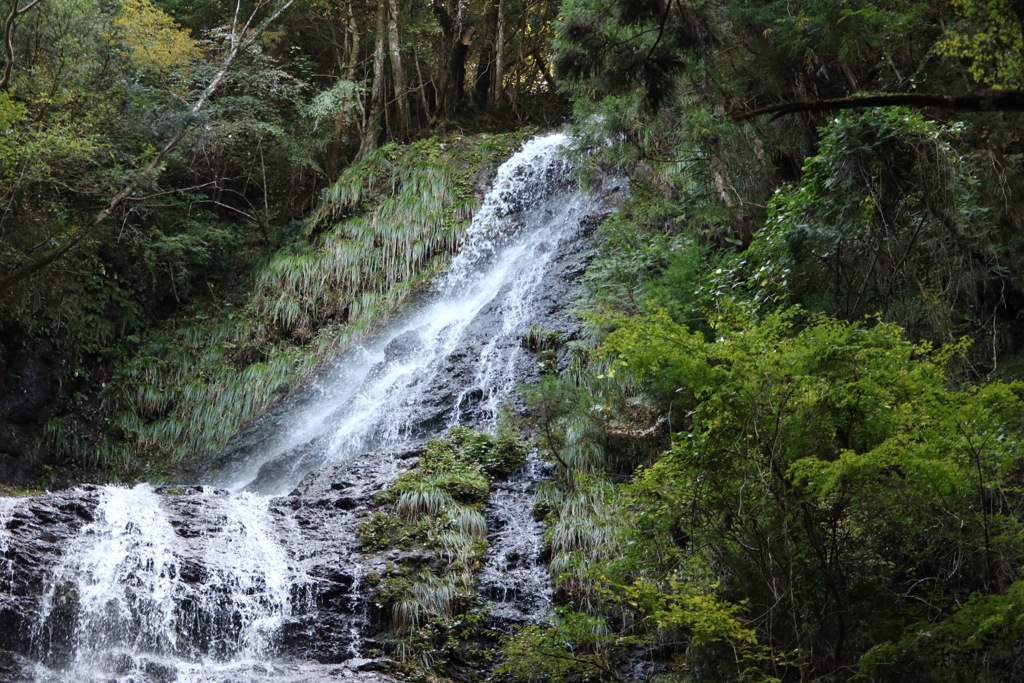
column 576, row 647
column 436, row 509
column 427, row 598
column 628, row 45
column 639, row 244
column 96, row 91
column 194, row 383
column 498, row 456
column 980, row 641
column 563, row 415
column 885, row 220
column 340, row 100
column 581, row 534
column 815, row 455
column 414, row 205
column 442, row 477
column 826, row 487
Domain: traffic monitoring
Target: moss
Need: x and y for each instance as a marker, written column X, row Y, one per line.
column 15, row 492
column 434, row 512
column 497, row 456
column 381, row 531
column 544, row 343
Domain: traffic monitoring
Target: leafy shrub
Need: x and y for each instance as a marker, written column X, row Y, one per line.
column 886, row 219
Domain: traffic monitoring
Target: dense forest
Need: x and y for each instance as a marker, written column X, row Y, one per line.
column 788, row 445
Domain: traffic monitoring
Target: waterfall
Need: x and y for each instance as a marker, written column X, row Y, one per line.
column 7, row 506
column 456, row 357
column 147, row 600
column 256, row 575
column 513, row 579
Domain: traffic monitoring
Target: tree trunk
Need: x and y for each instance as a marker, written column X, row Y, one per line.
column 485, row 67
column 349, row 73
column 5, row 80
column 443, row 78
column 403, row 120
column 459, row 54
column 345, row 121
column 424, row 96
column 450, row 83
column 993, row 100
column 375, row 116
column 497, row 84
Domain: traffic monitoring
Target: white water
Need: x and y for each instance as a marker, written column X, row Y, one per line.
column 373, row 401
column 139, row 610
column 513, row 579
column 7, row 506
column 194, row 588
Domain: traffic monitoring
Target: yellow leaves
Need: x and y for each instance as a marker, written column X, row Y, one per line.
column 989, row 36
column 151, row 39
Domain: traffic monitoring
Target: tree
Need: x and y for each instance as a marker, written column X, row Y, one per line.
column 401, row 96
column 990, row 36
column 828, row 477
column 241, row 34
column 17, row 9
column 886, row 219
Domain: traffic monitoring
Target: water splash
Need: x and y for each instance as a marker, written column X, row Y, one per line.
column 7, row 508
column 132, row 597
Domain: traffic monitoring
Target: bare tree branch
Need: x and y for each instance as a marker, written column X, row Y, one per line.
column 996, row 100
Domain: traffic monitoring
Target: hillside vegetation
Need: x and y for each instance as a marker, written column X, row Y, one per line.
column 792, row 447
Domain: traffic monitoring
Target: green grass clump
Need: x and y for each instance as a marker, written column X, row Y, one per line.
column 435, row 511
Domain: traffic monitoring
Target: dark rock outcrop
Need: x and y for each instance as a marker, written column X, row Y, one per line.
column 34, row 535
column 316, row 526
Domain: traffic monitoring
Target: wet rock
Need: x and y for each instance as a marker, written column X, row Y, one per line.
column 37, row 531
column 192, row 572
column 159, row 672
column 361, row 664
column 403, row 345
column 31, row 388
column 347, row 503
column 410, row 558
column 288, row 466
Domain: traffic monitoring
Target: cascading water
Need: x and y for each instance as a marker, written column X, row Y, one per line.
column 453, row 360
column 244, row 583
column 148, row 594
column 6, row 565
column 513, row 579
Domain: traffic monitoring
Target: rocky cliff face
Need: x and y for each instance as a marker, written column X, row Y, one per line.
column 257, row 575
